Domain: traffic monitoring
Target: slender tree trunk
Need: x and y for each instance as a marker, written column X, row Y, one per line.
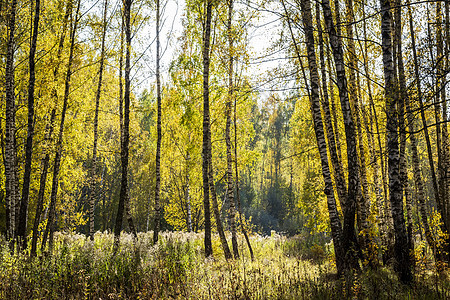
column 122, row 133
column 158, row 141
column 21, row 231
column 125, row 134
column 335, row 161
column 438, row 251
column 122, row 29
column 350, row 243
column 207, row 151
column 206, row 127
column 93, row 183
column 441, row 86
column 440, row 100
column 336, row 228
column 215, row 205
column 422, row 112
column 10, row 128
column 436, row 83
column 363, row 198
column 187, row 194
column 334, row 118
column 402, row 128
column 230, row 188
column 418, row 180
column 444, row 111
column 385, row 226
column 403, row 259
column 236, row 172
column 45, row 162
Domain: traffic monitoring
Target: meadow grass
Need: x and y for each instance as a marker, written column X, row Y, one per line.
column 283, row 268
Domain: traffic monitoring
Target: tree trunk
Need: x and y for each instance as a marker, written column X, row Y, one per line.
column 92, row 196
column 363, row 197
column 45, row 162
column 438, row 252
column 125, row 134
column 236, row 172
column 403, row 260
column 21, row 231
column 314, row 98
column 10, row 128
column 158, row 141
column 206, row 128
column 215, row 205
column 207, row 151
column 446, row 119
column 335, row 160
column 126, row 205
column 230, row 188
column 441, row 86
column 187, row 194
column 402, row 128
column 350, row 243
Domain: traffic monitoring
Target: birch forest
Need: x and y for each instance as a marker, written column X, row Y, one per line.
column 224, row 149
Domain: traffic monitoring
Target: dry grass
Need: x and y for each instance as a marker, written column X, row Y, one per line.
column 176, row 268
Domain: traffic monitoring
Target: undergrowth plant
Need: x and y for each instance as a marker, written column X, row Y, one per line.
column 283, row 268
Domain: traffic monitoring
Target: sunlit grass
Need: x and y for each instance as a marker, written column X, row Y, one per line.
column 283, row 268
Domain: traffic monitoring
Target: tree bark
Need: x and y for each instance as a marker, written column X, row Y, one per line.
column 230, row 188
column 208, row 178
column 236, row 172
column 335, row 161
column 403, row 260
column 125, row 134
column 314, row 98
column 350, row 243
column 442, row 109
column 444, row 112
column 363, row 198
column 10, row 126
column 187, row 194
column 21, row 231
column 158, row 126
column 206, row 127
column 335, row 119
column 402, row 128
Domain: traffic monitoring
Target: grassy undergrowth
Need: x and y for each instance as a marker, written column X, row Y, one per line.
column 176, row 268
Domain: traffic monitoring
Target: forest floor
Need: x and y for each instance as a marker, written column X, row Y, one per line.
column 283, row 268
